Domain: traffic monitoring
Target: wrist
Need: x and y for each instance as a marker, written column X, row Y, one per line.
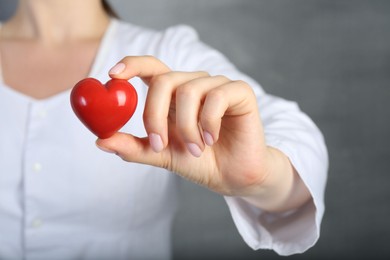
column 282, row 189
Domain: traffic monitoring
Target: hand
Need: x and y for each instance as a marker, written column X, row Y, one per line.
column 208, row 130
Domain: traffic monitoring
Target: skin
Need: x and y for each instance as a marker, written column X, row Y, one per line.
column 205, row 128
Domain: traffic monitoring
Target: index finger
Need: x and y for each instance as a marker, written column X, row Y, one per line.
column 145, row 67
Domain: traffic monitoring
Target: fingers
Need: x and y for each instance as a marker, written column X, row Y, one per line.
column 145, row 67
column 198, row 101
column 158, row 104
column 189, row 99
column 232, row 99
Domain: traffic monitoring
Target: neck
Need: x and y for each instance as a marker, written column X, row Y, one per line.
column 57, row 21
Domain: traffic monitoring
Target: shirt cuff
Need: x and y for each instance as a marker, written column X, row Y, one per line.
column 286, row 233
column 290, row 232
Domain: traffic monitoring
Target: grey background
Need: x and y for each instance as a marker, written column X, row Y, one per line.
column 333, row 57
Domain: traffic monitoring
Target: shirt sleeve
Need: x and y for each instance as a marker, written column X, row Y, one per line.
column 286, row 128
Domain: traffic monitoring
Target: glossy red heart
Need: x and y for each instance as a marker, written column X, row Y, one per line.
column 104, row 109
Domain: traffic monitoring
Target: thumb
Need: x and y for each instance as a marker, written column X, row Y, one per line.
column 133, row 149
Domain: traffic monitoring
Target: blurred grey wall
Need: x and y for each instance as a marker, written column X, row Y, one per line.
column 333, row 57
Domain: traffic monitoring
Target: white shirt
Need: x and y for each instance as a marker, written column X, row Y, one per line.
column 62, row 198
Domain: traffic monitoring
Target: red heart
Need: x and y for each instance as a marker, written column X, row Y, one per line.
column 104, row 109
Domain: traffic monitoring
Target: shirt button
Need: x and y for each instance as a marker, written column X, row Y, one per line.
column 42, row 114
column 36, row 223
column 37, row 167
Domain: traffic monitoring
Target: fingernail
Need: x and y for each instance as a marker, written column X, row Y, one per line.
column 156, row 142
column 208, row 138
column 104, row 149
column 118, row 68
column 194, row 149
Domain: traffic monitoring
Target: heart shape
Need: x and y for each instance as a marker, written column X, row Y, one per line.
column 104, row 109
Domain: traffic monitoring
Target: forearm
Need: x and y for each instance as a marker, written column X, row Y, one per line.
column 282, row 189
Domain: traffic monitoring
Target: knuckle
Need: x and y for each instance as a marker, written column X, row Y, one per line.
column 217, row 95
column 128, row 59
column 184, row 129
column 162, row 80
column 151, row 116
column 149, row 57
column 211, row 122
column 152, row 59
column 186, row 90
column 221, row 78
column 153, row 120
column 207, row 118
column 244, row 85
column 203, row 73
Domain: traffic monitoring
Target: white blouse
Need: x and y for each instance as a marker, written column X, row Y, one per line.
column 62, row 198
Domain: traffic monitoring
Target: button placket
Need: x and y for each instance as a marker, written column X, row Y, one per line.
column 39, row 114
column 34, row 174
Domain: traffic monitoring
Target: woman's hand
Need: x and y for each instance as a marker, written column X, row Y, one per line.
column 208, row 130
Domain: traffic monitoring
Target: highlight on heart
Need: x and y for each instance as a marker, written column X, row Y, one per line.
column 104, row 108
